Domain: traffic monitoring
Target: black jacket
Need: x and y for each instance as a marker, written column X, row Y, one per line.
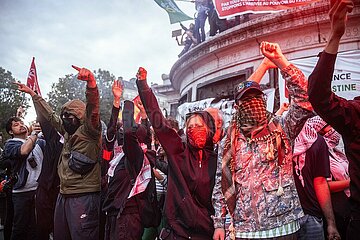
column 49, row 178
column 343, row 115
column 188, row 207
column 119, row 186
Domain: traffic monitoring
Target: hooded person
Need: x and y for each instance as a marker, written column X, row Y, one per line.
column 124, row 201
column 255, row 182
column 191, row 169
column 78, row 204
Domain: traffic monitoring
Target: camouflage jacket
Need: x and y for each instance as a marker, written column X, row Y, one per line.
column 249, row 172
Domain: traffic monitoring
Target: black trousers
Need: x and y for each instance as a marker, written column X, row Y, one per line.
column 9, row 215
column 45, row 207
column 77, row 218
column 24, row 222
column 353, row 229
column 125, row 227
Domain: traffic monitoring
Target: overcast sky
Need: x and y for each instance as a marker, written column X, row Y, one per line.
column 114, row 35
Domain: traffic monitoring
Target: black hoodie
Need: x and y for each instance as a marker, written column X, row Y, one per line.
column 188, row 205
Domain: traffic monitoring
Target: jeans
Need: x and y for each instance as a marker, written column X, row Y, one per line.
column 311, row 227
column 200, row 26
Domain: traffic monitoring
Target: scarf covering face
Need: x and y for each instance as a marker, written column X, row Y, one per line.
column 252, row 112
column 332, row 138
column 71, row 124
column 201, row 137
column 197, row 137
column 252, row 115
column 305, row 139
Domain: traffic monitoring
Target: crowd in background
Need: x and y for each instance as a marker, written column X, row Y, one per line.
column 267, row 176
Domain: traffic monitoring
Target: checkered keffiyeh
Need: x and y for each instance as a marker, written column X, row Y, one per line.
column 143, row 178
column 228, row 170
column 113, row 164
column 339, row 164
column 303, row 142
column 252, row 112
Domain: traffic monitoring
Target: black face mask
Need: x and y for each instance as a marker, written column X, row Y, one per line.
column 71, row 125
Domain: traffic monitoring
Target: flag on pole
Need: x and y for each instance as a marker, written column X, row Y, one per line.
column 32, row 81
column 175, row 13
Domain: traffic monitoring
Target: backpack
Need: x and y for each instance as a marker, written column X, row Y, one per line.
column 148, row 205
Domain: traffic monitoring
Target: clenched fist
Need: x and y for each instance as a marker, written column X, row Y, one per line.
column 141, row 74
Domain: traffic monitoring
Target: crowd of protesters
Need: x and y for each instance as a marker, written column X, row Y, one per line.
column 267, row 176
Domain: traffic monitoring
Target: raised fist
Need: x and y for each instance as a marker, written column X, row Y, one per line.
column 141, row 74
column 271, row 50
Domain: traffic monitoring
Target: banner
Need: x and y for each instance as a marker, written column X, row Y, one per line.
column 32, row 81
column 175, row 13
column 228, row 8
column 346, row 78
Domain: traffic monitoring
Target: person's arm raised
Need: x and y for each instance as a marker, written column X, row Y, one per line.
column 259, row 73
column 117, row 90
column 86, row 75
column 273, row 52
column 92, row 99
column 167, row 136
column 43, row 109
column 338, row 17
column 25, row 89
column 335, row 110
column 297, row 85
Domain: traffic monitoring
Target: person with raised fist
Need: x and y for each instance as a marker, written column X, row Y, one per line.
column 343, row 115
column 254, row 181
column 191, row 169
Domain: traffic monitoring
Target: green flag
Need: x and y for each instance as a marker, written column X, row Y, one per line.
column 175, row 13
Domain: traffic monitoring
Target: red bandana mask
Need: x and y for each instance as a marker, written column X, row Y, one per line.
column 197, row 137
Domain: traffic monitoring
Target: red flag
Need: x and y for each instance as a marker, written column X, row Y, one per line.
column 32, row 81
